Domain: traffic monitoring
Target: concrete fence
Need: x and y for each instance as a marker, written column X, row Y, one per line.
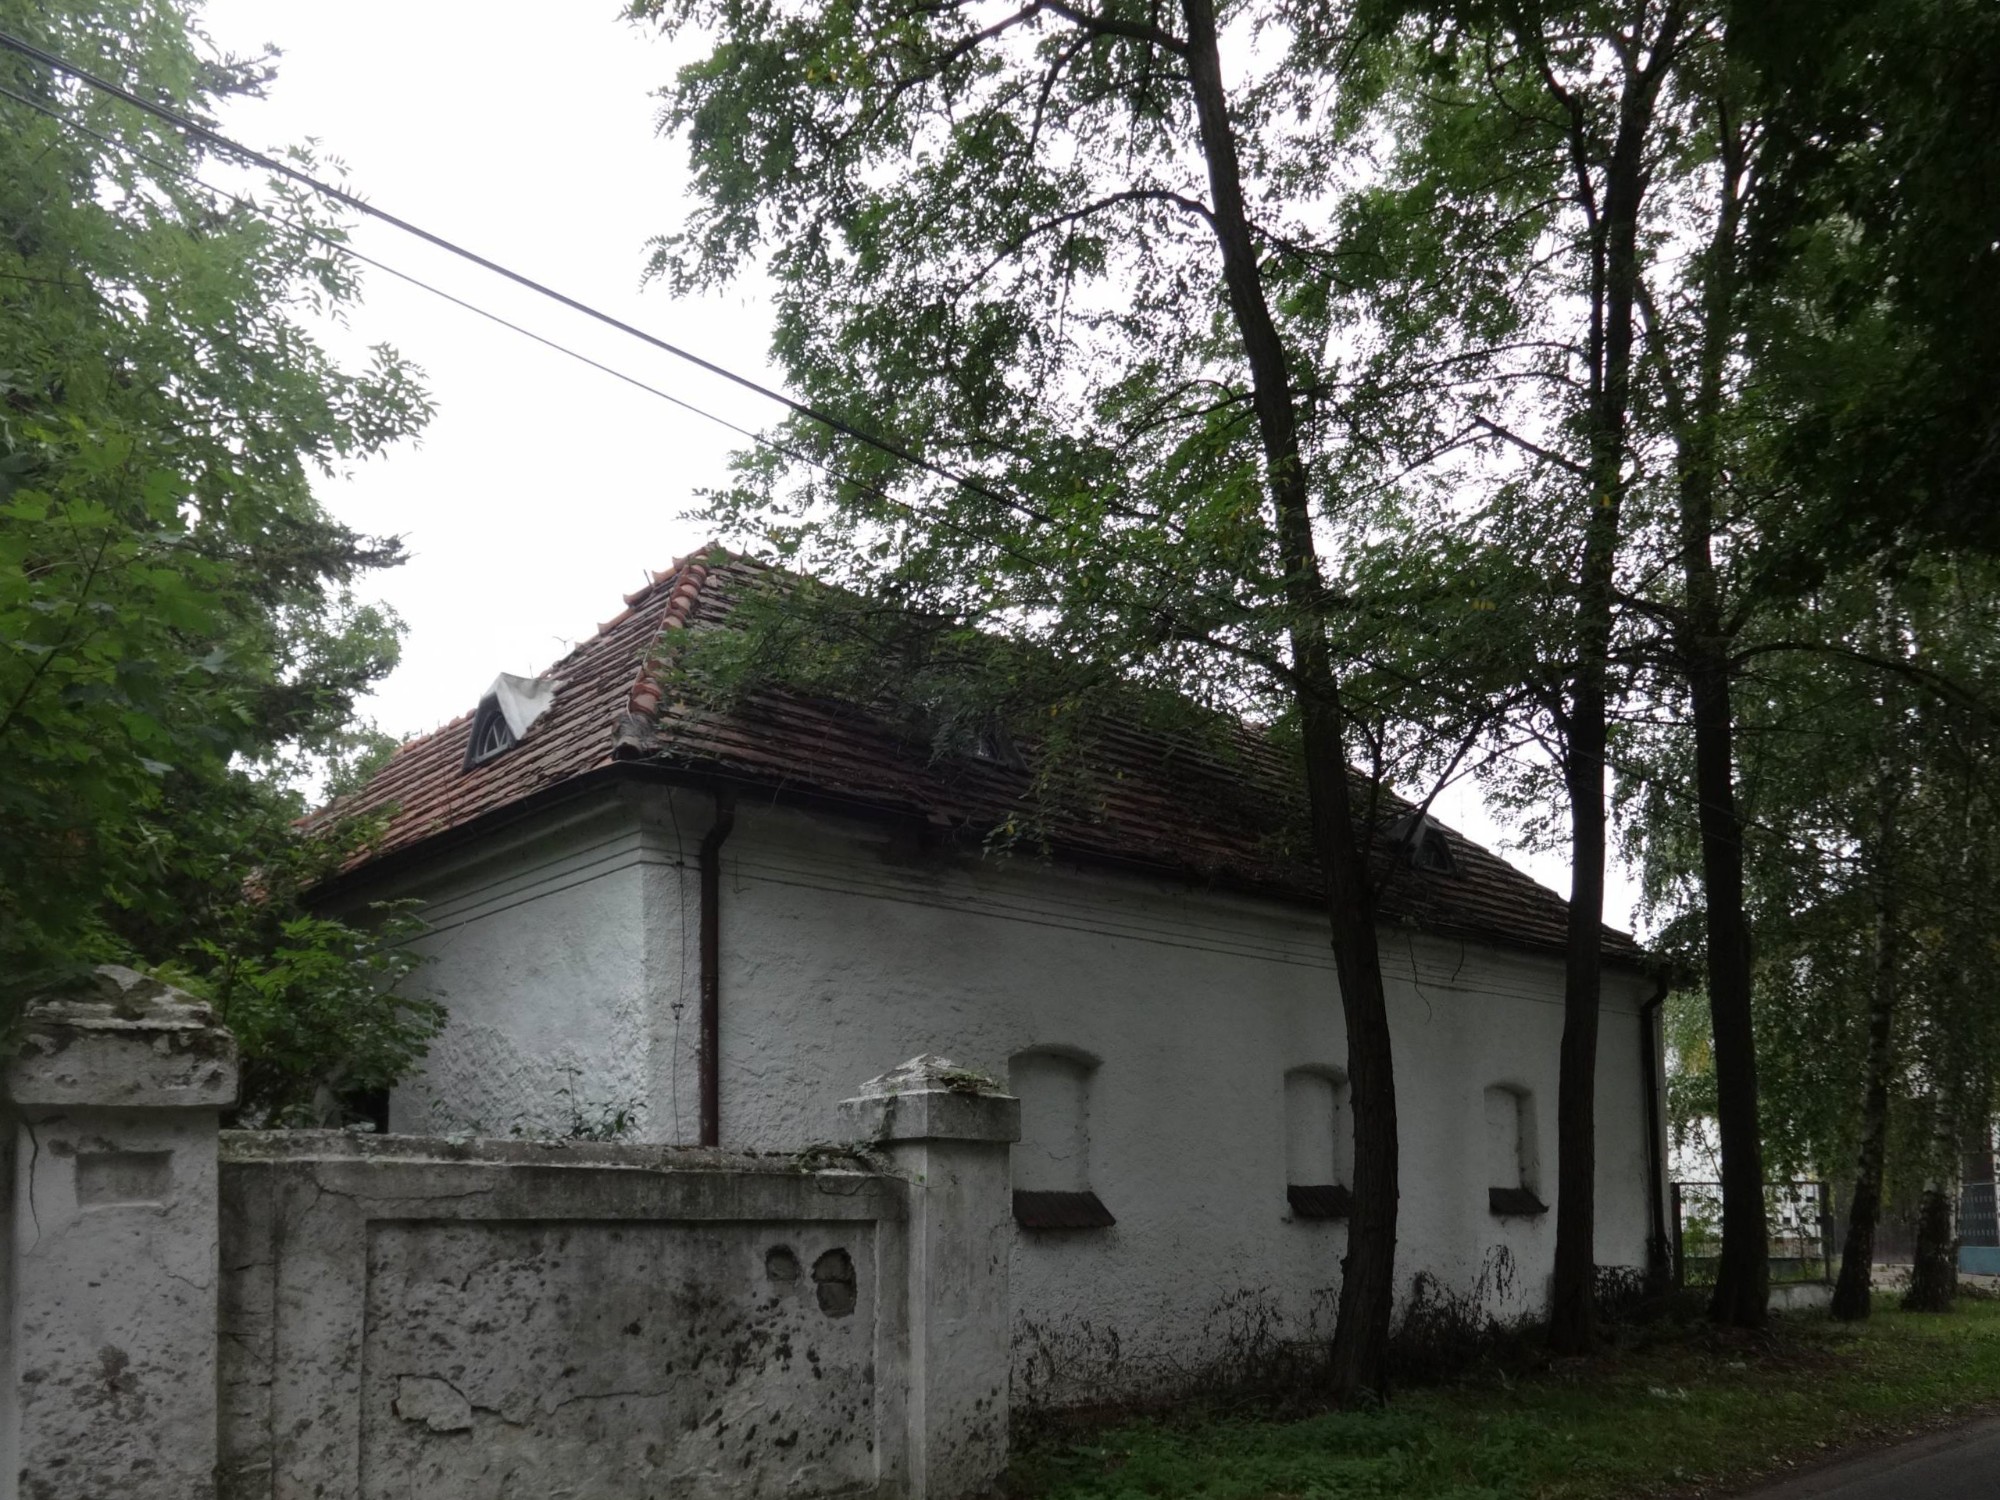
column 193, row 1312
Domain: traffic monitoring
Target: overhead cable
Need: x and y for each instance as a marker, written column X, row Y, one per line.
column 208, row 136
column 340, row 247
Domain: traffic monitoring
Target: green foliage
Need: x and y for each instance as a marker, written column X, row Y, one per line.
column 987, row 245
column 1674, row 1410
column 1876, row 234
column 179, row 639
column 1793, row 455
column 592, row 1121
column 317, row 1014
column 1898, row 710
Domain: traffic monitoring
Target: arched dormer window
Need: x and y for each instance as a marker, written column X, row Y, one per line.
column 1319, row 1144
column 491, row 734
column 504, row 714
column 1051, row 1161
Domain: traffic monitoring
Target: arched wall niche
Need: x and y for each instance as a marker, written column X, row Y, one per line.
column 1513, row 1151
column 1051, row 1163
column 1319, row 1142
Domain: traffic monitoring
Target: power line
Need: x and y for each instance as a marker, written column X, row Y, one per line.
column 187, row 175
column 175, row 169
column 203, row 133
column 341, row 248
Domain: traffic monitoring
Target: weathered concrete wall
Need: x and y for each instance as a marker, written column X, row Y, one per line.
column 409, row 1317
column 405, row 1316
column 946, row 1133
column 108, row 1386
column 843, row 943
column 190, row 1314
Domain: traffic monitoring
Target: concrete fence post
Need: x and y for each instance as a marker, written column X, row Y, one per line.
column 945, row 1131
column 108, row 1386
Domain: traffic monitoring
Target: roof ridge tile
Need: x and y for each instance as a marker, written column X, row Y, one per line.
column 637, row 729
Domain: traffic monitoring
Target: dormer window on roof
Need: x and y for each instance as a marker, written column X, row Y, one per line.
column 490, row 733
column 1425, row 843
column 504, row 714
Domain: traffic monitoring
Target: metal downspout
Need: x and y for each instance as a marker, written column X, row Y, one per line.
column 710, row 1050
column 1653, row 1079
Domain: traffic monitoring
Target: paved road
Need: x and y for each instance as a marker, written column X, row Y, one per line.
column 1962, row 1464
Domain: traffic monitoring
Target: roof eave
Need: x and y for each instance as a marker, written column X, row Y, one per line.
column 657, row 770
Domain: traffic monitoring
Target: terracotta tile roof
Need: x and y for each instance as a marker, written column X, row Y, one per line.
column 1159, row 800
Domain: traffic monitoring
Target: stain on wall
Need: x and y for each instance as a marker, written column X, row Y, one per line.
column 563, row 1358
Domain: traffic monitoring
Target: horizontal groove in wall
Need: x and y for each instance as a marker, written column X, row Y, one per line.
column 954, row 893
column 1460, row 969
column 518, row 888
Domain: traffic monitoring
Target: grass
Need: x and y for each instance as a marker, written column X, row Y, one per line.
column 1679, row 1411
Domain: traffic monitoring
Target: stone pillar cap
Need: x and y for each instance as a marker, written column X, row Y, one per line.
column 126, row 1041
column 933, row 1098
column 930, row 1073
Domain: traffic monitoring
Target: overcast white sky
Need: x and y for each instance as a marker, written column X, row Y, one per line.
column 543, row 489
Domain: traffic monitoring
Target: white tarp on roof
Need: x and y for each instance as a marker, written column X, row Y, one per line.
column 523, row 699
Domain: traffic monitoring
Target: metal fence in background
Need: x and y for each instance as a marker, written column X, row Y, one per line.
column 1799, row 1214
column 1978, row 1224
column 1808, row 1229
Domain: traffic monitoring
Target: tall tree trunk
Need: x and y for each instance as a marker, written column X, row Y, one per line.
column 1702, row 642
column 1367, row 1287
column 1614, row 287
column 1573, row 1299
column 1934, row 1267
column 1934, row 1271
column 1852, row 1294
column 1743, row 1275
column 1742, row 1281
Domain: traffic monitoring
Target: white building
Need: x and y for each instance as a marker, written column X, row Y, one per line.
column 719, row 924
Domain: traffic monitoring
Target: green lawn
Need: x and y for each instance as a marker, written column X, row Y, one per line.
column 1681, row 1408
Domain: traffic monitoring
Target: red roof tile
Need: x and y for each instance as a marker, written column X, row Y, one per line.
column 1160, row 800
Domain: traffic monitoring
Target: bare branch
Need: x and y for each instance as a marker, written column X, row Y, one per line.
column 1115, row 200
column 1136, row 31
column 1567, row 465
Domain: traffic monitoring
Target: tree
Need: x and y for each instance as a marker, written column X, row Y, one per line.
column 1564, row 134
column 1716, row 203
column 178, row 635
column 1639, row 137
column 1877, row 418
column 1866, row 737
column 1085, row 260
column 1878, row 167
column 1118, row 304
column 1695, row 342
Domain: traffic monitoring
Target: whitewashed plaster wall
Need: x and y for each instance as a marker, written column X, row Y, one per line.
column 563, row 953
column 842, row 943
column 546, row 944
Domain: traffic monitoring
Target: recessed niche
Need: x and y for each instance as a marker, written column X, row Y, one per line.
column 111, row 1179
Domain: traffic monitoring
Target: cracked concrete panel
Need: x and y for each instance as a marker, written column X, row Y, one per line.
column 415, row 1317
column 616, row 1359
